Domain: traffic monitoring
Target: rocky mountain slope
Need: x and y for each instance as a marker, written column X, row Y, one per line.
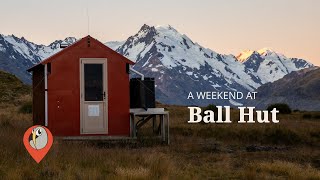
column 299, row 89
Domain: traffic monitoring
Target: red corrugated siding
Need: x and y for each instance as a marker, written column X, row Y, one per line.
column 64, row 90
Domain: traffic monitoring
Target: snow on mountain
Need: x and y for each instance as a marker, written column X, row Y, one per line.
column 19, row 54
column 178, row 64
column 34, row 52
column 54, row 47
column 114, row 44
column 243, row 56
column 181, row 66
column 268, row 65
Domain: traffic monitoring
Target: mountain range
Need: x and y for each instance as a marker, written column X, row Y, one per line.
column 18, row 54
column 181, row 66
column 178, row 64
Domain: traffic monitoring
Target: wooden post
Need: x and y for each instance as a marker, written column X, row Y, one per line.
column 163, row 130
column 133, row 126
column 154, row 124
column 168, row 138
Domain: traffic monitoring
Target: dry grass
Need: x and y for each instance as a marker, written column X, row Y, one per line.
column 287, row 170
column 197, row 151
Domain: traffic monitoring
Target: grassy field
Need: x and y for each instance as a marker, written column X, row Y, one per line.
column 289, row 150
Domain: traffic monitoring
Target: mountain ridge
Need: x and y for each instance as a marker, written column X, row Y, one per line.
column 299, row 89
column 178, row 64
column 19, row 54
column 165, row 53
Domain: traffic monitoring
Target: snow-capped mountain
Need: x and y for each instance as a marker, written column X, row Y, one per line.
column 269, row 65
column 181, row 66
column 178, row 64
column 19, row 54
column 244, row 55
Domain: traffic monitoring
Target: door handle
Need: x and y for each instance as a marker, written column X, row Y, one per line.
column 104, row 95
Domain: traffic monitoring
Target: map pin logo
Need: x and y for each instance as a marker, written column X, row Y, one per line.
column 38, row 141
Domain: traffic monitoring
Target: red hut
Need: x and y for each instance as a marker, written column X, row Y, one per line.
column 83, row 90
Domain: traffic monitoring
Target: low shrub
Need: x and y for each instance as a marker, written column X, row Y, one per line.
column 316, row 116
column 281, row 107
column 306, row 116
column 213, row 108
column 26, row 108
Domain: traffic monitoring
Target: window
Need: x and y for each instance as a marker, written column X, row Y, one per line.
column 93, row 80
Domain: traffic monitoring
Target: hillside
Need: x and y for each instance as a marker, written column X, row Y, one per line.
column 300, row 90
column 11, row 88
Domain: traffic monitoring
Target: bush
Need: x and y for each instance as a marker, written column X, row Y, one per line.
column 310, row 116
column 307, row 116
column 26, row 108
column 213, row 108
column 316, row 116
column 281, row 107
column 210, row 107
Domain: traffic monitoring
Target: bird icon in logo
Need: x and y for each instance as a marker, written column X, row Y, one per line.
column 38, row 138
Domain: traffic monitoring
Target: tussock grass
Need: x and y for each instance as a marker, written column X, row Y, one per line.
column 25, row 104
column 197, row 151
column 282, row 170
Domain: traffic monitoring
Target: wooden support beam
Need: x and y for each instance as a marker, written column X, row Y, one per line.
column 146, row 115
column 143, row 121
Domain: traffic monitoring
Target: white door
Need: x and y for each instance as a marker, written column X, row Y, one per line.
column 93, row 96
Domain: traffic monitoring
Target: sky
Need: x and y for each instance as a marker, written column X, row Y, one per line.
column 291, row 27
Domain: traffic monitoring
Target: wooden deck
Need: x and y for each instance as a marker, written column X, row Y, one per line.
column 96, row 138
